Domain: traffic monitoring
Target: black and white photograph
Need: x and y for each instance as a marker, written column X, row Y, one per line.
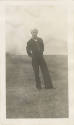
column 36, row 62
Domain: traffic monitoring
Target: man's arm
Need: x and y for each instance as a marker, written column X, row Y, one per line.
column 42, row 46
column 28, row 49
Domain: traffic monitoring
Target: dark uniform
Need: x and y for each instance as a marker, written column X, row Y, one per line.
column 35, row 50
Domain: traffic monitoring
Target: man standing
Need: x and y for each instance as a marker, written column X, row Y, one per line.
column 35, row 48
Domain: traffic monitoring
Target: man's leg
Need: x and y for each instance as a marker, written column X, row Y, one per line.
column 45, row 72
column 36, row 71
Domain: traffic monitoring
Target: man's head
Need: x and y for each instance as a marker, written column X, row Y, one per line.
column 34, row 33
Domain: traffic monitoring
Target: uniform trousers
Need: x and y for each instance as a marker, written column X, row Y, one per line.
column 39, row 62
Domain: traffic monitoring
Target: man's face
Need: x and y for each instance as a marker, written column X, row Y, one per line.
column 34, row 34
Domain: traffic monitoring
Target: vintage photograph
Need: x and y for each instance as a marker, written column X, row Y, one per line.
column 36, row 62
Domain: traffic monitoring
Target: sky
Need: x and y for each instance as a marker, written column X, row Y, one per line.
column 51, row 21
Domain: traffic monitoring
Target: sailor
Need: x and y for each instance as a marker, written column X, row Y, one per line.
column 35, row 49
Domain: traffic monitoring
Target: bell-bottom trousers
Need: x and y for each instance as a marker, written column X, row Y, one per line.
column 39, row 62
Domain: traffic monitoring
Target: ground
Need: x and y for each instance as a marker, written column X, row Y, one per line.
column 23, row 100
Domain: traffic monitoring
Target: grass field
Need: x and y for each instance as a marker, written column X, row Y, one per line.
column 23, row 100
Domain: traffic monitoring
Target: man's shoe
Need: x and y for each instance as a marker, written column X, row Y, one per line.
column 39, row 88
column 47, row 87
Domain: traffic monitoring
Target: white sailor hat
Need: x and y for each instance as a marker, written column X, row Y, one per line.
column 34, row 30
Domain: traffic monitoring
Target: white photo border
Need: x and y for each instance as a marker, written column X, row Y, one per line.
column 42, row 121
